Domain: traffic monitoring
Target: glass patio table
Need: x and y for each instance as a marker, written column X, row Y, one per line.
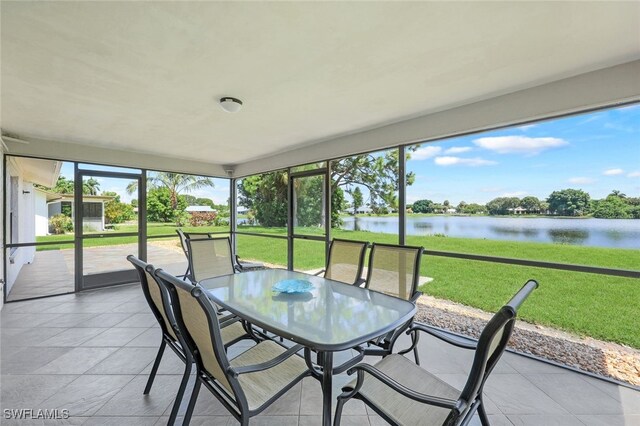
column 331, row 317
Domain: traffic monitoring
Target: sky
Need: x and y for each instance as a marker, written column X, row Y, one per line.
column 219, row 193
column 596, row 152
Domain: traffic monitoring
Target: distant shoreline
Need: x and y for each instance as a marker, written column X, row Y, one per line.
column 519, row 216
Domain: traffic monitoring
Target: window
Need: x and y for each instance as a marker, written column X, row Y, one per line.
column 92, row 210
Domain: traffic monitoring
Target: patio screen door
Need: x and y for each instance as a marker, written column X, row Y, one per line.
column 109, row 227
column 308, row 225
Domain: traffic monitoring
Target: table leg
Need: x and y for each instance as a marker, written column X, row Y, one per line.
column 327, row 377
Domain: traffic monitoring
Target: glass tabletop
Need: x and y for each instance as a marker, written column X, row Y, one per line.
column 332, row 316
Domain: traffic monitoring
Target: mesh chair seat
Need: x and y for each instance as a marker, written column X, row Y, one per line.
column 345, row 261
column 209, row 258
column 232, row 332
column 248, row 383
column 403, row 410
column 405, row 394
column 261, row 386
column 394, row 270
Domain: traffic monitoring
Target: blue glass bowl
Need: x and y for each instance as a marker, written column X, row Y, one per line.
column 292, row 286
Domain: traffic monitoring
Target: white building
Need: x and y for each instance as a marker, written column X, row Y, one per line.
column 26, row 208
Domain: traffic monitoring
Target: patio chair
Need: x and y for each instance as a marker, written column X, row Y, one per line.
column 183, row 243
column 345, row 262
column 239, row 265
column 394, row 270
column 245, row 385
column 158, row 298
column 405, row 394
column 209, row 258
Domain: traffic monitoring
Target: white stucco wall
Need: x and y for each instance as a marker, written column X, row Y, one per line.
column 41, row 212
column 26, row 224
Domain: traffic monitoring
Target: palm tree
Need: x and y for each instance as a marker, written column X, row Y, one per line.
column 90, row 186
column 176, row 183
column 63, row 186
column 616, row 193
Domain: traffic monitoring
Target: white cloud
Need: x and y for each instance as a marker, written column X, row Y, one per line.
column 613, row 172
column 581, row 180
column 519, row 144
column 458, row 150
column 457, row 161
column 515, row 194
column 425, row 152
column 634, row 174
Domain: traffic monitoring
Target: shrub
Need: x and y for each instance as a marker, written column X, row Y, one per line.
column 59, row 224
column 202, row 218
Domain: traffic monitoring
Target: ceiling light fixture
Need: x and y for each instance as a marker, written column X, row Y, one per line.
column 230, row 104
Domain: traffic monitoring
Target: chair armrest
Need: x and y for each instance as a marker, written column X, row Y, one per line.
column 451, row 339
column 414, row 298
column 237, row 266
column 236, row 371
column 400, row 388
column 227, row 320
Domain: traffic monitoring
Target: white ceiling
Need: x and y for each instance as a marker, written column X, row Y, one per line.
column 43, row 172
column 145, row 77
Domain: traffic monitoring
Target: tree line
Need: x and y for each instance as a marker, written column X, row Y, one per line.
column 565, row 202
column 166, row 201
column 265, row 196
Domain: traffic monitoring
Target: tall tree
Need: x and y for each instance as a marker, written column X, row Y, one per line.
column 63, row 186
column 422, row 206
column 612, row 207
column 569, row 202
column 176, row 183
column 378, row 172
column 531, row 203
column 617, row 193
column 501, row 205
column 266, row 196
column 90, row 186
column 357, row 199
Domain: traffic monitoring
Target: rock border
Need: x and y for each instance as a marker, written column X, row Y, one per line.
column 605, row 359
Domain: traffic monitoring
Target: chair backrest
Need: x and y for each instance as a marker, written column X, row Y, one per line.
column 209, row 258
column 493, row 341
column 184, row 236
column 394, row 270
column 156, row 295
column 346, row 259
column 183, row 241
column 196, row 319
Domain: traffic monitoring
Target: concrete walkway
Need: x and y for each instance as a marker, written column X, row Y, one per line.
column 52, row 271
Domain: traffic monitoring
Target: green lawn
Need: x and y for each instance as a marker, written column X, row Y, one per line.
column 603, row 307
column 599, row 306
column 153, row 229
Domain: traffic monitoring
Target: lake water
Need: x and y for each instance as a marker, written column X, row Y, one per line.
column 617, row 233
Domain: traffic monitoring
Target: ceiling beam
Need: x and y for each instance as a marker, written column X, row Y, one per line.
column 57, row 150
column 598, row 89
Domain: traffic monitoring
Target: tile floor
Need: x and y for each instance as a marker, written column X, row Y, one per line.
column 90, row 353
